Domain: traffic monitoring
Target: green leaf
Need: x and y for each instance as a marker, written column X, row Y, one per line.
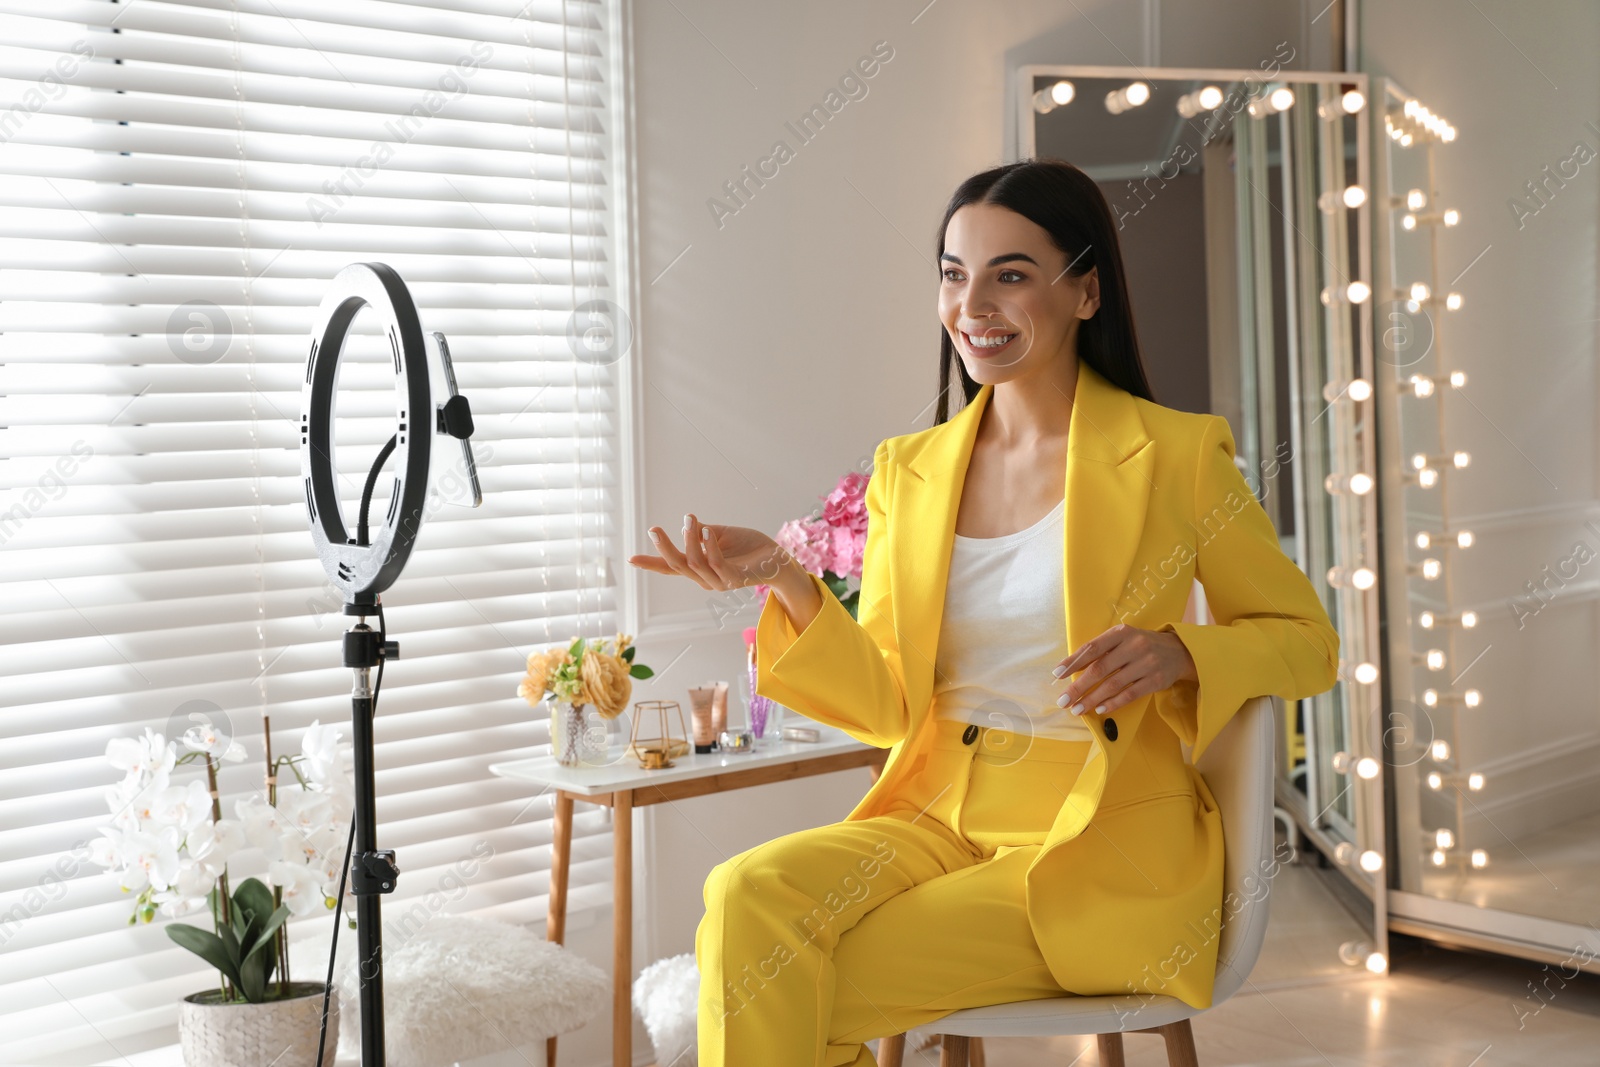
column 639, row 670
column 275, row 920
column 628, row 652
column 253, row 901
column 207, row 945
column 839, row 586
column 254, row 894
column 253, row 975
column 576, row 648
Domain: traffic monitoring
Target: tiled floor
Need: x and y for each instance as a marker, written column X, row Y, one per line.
column 1302, row 1007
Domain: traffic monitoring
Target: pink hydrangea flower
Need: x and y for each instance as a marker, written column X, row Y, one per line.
column 846, row 506
column 809, row 541
column 848, row 546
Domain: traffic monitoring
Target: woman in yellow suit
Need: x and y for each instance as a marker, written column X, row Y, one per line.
column 1018, row 844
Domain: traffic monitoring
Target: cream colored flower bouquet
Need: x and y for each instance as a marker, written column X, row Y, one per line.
column 598, row 672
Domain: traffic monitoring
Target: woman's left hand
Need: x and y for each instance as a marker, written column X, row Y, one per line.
column 1121, row 665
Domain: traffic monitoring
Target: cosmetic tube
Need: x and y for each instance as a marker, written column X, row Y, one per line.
column 700, row 711
column 719, row 711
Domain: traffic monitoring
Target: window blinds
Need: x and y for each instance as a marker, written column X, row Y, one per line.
column 178, row 181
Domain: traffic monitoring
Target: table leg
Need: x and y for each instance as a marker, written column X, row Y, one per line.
column 622, row 934
column 560, row 867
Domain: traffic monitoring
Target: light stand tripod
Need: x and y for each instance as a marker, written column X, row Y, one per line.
column 362, row 567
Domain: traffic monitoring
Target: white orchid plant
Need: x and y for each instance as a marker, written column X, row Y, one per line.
column 171, row 844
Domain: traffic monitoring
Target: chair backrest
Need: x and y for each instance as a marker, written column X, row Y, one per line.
column 1239, row 766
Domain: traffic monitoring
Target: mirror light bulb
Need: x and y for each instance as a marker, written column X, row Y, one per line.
column 1469, row 619
column 1366, row 673
column 1371, row 861
column 1480, row 858
column 1377, row 963
column 1472, row 698
column 1440, row 750
column 1443, row 838
column 1438, row 858
column 1435, row 780
column 1352, row 101
column 1363, row 578
column 1358, row 292
column 1366, row 767
column 1474, row 781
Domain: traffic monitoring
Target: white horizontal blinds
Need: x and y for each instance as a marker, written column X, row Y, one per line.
column 178, row 182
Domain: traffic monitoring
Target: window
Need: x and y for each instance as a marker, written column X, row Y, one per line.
column 178, row 181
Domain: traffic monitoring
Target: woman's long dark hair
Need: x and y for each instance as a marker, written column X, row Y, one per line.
column 1066, row 203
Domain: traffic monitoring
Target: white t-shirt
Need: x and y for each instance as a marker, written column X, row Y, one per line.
column 1004, row 630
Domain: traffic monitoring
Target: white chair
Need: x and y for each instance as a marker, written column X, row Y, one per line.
column 1239, row 768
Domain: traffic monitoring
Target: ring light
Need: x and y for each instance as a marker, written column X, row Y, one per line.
column 362, row 567
column 361, row 571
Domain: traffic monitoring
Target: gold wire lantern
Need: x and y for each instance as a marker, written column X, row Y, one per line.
column 656, row 752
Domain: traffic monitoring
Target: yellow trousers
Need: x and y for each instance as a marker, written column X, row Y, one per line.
column 817, row 941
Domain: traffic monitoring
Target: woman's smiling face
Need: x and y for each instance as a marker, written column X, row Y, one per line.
column 1003, row 280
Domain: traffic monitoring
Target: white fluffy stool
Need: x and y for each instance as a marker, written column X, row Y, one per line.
column 459, row 987
column 665, row 995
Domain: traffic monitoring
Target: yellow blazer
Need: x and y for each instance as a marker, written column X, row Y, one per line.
column 1153, row 501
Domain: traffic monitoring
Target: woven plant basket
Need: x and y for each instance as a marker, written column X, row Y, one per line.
column 280, row 1032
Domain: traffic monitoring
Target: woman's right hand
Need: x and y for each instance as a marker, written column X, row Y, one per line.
column 728, row 557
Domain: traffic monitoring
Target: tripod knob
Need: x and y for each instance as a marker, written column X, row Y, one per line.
column 374, row 872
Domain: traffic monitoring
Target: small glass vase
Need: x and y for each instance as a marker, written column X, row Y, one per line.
column 577, row 738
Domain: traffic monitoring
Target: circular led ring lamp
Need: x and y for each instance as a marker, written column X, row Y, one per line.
column 361, row 572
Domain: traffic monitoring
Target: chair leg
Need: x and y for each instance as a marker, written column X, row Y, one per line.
column 1180, row 1044
column 953, row 1053
column 892, row 1050
column 1110, row 1050
column 975, row 1053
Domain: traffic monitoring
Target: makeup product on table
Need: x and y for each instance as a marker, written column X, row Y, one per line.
column 759, row 705
column 799, row 733
column 705, row 738
column 737, row 741
column 719, row 707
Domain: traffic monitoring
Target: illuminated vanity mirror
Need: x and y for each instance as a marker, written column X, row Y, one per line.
column 1240, row 197
column 1491, row 697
